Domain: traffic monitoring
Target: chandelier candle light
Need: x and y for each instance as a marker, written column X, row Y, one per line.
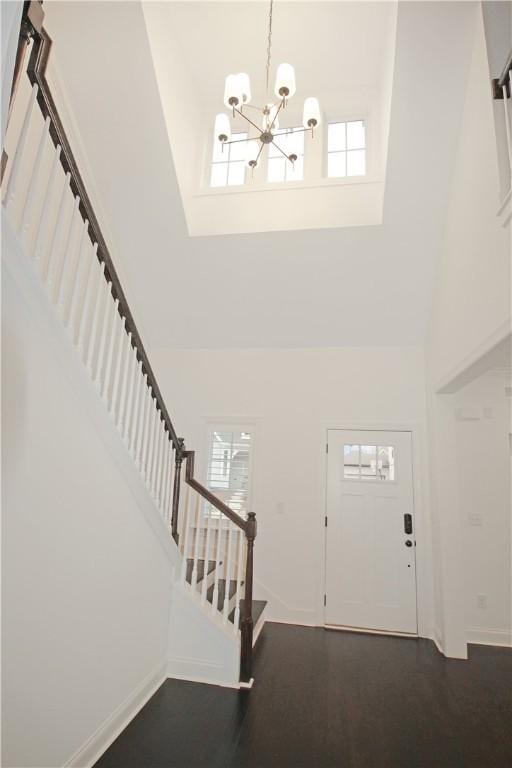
column 237, row 97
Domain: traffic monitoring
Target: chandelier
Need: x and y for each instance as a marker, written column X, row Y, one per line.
column 237, row 97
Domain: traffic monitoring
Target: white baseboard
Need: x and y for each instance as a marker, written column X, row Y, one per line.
column 208, row 681
column 92, row 749
column 436, row 638
column 484, row 636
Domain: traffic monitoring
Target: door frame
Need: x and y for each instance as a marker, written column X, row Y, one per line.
column 419, row 485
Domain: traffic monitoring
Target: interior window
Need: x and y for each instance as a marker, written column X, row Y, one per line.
column 346, row 149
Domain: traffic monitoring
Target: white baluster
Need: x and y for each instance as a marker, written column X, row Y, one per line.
column 167, row 477
column 128, row 406
column 148, row 412
column 206, row 560
column 28, row 205
column 133, row 415
column 75, row 222
column 92, row 343
column 151, row 440
column 197, row 517
column 109, row 361
column 79, row 275
column 139, row 437
column 218, row 561
column 154, row 466
column 48, row 269
column 127, row 347
column 106, row 320
column 239, row 578
column 90, row 294
column 12, row 183
column 44, row 218
column 185, row 534
column 158, row 479
column 118, row 356
column 154, row 457
column 227, row 573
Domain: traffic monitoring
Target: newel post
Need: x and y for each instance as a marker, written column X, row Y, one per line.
column 246, row 624
column 176, row 489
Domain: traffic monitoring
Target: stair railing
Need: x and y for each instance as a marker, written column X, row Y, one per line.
column 213, row 534
column 47, row 203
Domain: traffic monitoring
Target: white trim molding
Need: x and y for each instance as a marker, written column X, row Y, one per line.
column 92, row 749
column 484, row 636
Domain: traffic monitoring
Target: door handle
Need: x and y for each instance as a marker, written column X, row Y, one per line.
column 407, row 523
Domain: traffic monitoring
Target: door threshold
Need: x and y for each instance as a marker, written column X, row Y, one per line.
column 366, row 631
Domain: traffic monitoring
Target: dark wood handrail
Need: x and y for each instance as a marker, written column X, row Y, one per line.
column 208, row 495
column 36, row 71
column 503, row 80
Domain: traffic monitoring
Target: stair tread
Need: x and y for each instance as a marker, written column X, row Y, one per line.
column 200, row 569
column 221, row 592
column 258, row 606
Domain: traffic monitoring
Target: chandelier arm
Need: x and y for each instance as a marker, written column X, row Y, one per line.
column 259, row 153
column 248, row 120
column 281, row 151
column 276, row 114
column 300, row 130
column 235, row 141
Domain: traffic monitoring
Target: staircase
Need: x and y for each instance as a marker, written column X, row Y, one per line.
column 46, row 204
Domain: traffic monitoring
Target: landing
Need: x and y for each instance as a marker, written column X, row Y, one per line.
column 325, row 699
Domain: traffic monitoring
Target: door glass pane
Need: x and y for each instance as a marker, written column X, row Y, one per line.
column 368, row 462
column 386, row 465
column 351, row 461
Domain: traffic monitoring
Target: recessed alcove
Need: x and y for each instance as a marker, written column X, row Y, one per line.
column 343, row 53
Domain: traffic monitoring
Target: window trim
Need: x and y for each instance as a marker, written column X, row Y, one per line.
column 326, row 152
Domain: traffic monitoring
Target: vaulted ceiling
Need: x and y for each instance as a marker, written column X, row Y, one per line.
column 313, row 288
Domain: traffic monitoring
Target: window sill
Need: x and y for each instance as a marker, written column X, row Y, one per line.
column 285, row 185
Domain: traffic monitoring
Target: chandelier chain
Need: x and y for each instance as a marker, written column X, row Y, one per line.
column 269, row 40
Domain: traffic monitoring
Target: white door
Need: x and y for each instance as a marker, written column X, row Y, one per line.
column 370, row 546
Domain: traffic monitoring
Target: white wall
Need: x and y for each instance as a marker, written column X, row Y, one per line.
column 86, row 572
column 471, row 313
column 483, row 416
column 292, row 397
column 472, row 299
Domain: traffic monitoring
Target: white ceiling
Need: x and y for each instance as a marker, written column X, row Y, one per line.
column 314, row 288
column 336, row 48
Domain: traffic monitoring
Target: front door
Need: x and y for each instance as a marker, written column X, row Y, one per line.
column 370, row 546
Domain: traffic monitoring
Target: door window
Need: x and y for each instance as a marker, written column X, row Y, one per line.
column 369, row 462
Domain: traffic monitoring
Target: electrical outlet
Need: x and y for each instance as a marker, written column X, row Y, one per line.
column 475, row 518
column 481, row 602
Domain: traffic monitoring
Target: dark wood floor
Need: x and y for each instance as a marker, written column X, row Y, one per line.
column 327, row 699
